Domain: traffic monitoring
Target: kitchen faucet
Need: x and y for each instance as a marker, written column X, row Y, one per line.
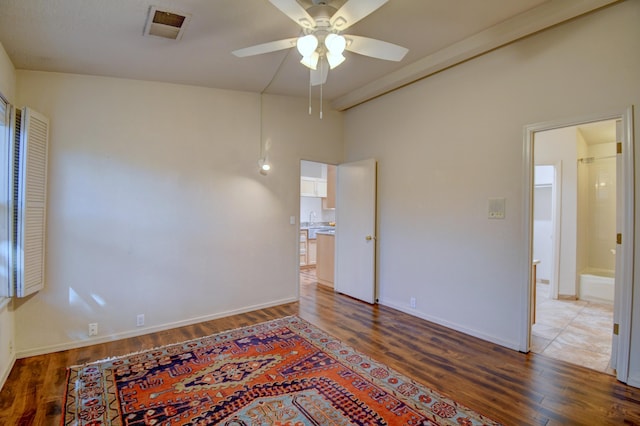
column 312, row 215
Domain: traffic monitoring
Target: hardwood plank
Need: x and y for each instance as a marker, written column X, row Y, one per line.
column 508, row 386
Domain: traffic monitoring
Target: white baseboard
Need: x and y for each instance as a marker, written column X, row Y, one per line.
column 146, row 330
column 5, row 374
column 475, row 333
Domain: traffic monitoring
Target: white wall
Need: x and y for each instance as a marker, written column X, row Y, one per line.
column 457, row 141
column 7, row 354
column 560, row 145
column 156, row 206
column 314, row 204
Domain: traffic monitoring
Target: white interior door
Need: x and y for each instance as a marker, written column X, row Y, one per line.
column 617, row 286
column 355, row 230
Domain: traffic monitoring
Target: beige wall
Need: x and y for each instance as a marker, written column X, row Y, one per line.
column 7, row 355
column 156, row 206
column 7, row 76
column 448, row 143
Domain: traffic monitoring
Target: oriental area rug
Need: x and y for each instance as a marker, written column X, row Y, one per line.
column 284, row 372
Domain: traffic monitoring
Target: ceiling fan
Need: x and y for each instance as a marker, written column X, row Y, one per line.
column 322, row 43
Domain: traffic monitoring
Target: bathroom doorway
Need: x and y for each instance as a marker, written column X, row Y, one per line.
column 580, row 224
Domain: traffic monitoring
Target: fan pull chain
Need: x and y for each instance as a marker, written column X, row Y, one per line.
column 310, row 91
column 321, row 85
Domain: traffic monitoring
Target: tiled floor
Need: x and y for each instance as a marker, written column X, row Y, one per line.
column 574, row 331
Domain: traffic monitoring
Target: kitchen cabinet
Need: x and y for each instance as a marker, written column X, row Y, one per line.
column 313, row 187
column 307, row 187
column 311, row 252
column 303, row 247
column 325, row 259
column 307, row 249
column 330, row 201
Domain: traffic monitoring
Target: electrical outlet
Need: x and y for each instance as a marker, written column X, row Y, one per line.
column 412, row 302
column 10, row 347
column 93, row 329
column 140, row 320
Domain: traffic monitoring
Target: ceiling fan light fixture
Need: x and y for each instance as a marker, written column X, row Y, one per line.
column 335, row 44
column 307, row 45
column 335, row 60
column 311, row 61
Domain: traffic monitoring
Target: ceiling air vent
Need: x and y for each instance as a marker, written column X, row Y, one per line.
column 166, row 24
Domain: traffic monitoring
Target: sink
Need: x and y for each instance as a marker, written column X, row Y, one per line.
column 314, row 229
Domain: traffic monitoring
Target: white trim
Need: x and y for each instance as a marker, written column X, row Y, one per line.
column 527, row 237
column 624, row 338
column 147, row 330
column 471, row 332
column 628, row 247
column 557, row 228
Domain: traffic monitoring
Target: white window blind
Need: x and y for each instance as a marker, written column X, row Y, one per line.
column 5, row 196
column 30, row 200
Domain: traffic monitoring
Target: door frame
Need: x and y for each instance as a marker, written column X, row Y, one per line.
column 298, row 219
column 556, row 214
column 627, row 228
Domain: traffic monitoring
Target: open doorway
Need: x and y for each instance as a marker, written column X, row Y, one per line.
column 592, row 173
column 317, row 223
column 574, row 228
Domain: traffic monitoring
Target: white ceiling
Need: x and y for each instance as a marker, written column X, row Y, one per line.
column 105, row 37
column 598, row 132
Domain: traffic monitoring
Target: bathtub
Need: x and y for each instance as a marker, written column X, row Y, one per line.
column 596, row 285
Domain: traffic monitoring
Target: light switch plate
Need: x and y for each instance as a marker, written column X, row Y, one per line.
column 497, row 208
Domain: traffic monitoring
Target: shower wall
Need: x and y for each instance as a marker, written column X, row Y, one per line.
column 597, row 176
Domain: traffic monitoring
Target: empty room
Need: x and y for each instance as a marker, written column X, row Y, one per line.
column 318, row 212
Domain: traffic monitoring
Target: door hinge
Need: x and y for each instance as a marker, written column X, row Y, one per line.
column 619, row 147
column 616, row 329
column 618, row 238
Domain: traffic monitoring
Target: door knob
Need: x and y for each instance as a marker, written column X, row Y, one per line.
column 369, row 238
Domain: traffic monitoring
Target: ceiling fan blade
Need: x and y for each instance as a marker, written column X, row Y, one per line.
column 319, row 75
column 375, row 48
column 271, row 46
column 353, row 11
column 297, row 13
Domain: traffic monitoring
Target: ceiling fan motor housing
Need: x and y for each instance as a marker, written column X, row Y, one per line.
column 321, row 14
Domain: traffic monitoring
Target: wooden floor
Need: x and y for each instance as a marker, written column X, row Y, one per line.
column 508, row 386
